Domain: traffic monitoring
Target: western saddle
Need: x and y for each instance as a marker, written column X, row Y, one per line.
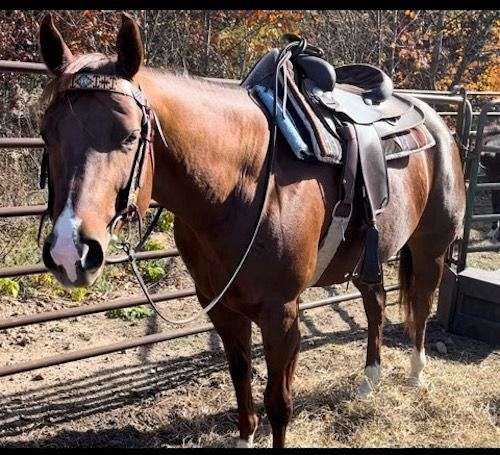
column 347, row 116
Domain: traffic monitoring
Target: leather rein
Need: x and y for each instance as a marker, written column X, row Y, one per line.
column 128, row 209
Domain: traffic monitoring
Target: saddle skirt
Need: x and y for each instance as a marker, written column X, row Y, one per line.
column 349, row 117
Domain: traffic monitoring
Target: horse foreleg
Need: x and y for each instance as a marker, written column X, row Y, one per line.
column 281, row 338
column 235, row 331
column 374, row 303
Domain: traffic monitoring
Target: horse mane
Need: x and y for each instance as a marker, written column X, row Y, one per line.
column 102, row 64
column 195, row 82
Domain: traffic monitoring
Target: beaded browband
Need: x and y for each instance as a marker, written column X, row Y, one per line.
column 107, row 83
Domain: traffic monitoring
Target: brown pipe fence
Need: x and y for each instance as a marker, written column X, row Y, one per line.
column 6, row 212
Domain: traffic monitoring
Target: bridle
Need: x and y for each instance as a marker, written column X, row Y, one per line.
column 128, row 209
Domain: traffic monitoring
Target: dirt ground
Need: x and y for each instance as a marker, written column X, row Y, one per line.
column 178, row 393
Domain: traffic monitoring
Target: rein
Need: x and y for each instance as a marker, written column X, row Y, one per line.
column 90, row 81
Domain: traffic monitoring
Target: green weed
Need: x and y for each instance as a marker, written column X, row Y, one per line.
column 129, row 314
column 154, row 271
column 166, row 222
column 154, row 244
column 56, row 328
column 9, row 287
column 78, row 294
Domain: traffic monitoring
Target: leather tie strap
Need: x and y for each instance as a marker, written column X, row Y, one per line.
column 341, row 213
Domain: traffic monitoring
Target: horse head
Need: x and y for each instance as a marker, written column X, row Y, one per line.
column 93, row 128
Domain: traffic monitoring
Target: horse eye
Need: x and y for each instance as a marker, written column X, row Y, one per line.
column 132, row 137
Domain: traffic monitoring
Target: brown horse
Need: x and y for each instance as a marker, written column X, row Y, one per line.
column 210, row 173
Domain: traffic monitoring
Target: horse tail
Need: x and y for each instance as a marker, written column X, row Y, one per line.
column 405, row 285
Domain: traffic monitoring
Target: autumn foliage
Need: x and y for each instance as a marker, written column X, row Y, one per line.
column 419, row 49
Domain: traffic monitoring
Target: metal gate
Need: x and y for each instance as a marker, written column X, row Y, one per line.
column 489, row 110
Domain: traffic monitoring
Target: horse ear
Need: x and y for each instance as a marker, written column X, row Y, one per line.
column 129, row 48
column 55, row 52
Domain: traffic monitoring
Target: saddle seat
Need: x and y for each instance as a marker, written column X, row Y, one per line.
column 364, row 93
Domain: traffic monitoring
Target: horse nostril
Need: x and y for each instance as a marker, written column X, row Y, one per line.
column 92, row 254
column 46, row 256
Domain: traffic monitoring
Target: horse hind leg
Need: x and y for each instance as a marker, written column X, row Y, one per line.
column 374, row 302
column 420, row 274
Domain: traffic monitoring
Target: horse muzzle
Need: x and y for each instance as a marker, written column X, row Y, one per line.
column 74, row 264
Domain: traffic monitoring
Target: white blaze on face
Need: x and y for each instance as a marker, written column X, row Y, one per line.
column 64, row 251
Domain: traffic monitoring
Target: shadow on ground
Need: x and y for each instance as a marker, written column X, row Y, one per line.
column 176, row 434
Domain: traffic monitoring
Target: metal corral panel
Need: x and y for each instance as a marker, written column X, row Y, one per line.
column 477, row 313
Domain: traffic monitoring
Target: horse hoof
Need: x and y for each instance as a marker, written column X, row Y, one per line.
column 365, row 388
column 372, row 376
column 415, row 381
column 244, row 443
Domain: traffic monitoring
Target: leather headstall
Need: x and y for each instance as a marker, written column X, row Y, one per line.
column 127, row 198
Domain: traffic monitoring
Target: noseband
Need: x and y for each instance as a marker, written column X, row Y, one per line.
column 127, row 199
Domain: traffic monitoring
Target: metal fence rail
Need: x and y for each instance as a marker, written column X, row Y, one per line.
column 22, row 270
column 463, row 115
column 116, row 304
column 150, row 339
column 30, row 210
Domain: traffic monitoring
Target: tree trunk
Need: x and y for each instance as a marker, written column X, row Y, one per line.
column 474, row 46
column 436, row 51
column 208, row 37
column 394, row 39
column 379, row 49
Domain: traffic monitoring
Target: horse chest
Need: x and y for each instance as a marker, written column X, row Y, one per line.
column 277, row 265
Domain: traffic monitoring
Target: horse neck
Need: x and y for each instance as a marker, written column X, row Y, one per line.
column 217, row 141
